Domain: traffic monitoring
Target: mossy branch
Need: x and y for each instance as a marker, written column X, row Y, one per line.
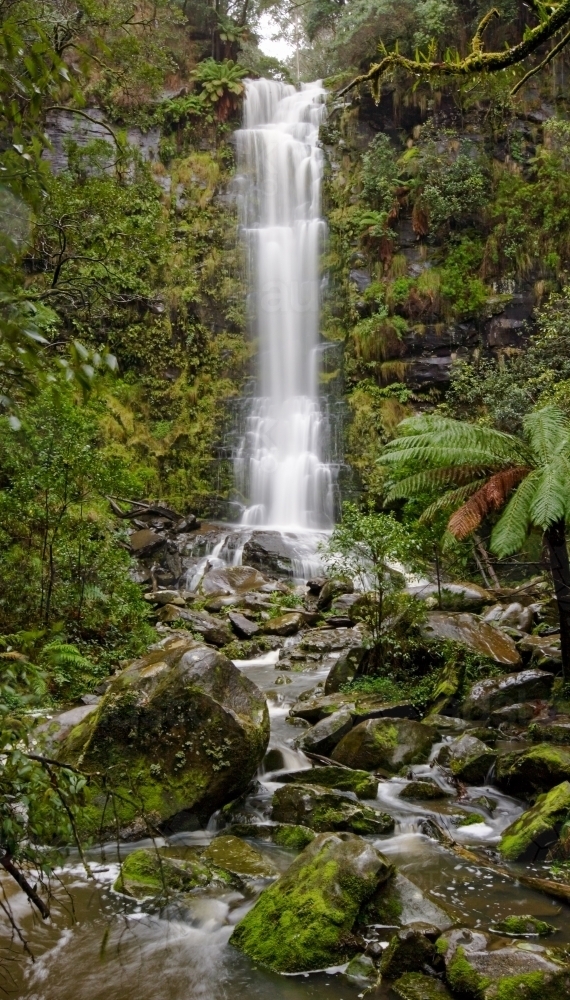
column 477, row 61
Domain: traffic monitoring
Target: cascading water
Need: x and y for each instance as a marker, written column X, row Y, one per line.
column 279, row 465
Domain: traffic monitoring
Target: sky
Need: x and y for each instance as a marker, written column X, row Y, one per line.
column 279, row 48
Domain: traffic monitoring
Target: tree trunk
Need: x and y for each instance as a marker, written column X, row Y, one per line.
column 560, row 568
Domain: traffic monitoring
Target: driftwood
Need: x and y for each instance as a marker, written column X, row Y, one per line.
column 142, row 509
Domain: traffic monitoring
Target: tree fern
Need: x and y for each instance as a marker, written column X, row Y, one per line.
column 429, row 478
column 547, row 430
column 450, row 499
column 510, row 532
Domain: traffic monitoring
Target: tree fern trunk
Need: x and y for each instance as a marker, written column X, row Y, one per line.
column 560, row 567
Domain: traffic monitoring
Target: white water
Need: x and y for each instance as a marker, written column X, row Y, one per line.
column 280, row 465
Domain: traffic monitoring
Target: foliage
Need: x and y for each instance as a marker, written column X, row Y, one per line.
column 221, row 83
column 380, row 174
column 370, row 549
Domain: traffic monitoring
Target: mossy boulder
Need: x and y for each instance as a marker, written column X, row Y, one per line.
column 320, row 810
column 289, row 835
column 523, row 926
column 486, row 696
column 147, row 873
column 361, row 706
column 324, row 736
column 386, row 744
column 344, row 669
column 235, row 856
column 423, row 789
column 510, row 973
column 178, row 734
column 538, row 829
column 283, row 625
column 362, row 971
column 477, row 635
column 532, row 771
column 398, row 902
column 343, row 779
column 410, row 950
column 468, row 759
column 305, row 919
column 417, row 986
column 550, row 731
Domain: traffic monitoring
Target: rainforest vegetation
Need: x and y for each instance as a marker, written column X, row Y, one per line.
column 126, row 361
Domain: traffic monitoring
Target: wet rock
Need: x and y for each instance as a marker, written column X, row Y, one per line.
column 288, row 835
column 468, row 759
column 362, row 707
column 473, row 971
column 323, row 640
column 324, row 736
column 230, row 580
column 416, row 986
column 235, row 856
column 147, row 873
column 331, row 589
column 257, row 602
column 212, row 630
column 445, row 723
column 523, row 926
column 343, row 779
column 515, row 715
column 387, row 744
column 181, row 730
column 344, row 669
column 146, row 542
column 361, row 970
column 162, row 597
column 538, row 829
column 169, row 613
column 344, row 604
column 410, row 950
column 543, row 650
column 216, row 604
column 423, row 790
column 398, row 902
column 288, row 624
column 550, row 731
column 489, row 695
column 475, row 634
column 242, row 626
column 270, row 552
column 318, row 707
column 309, row 805
column 304, row 920
column 528, row 772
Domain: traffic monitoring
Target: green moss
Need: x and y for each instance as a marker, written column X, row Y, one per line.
column 293, row 837
column 343, row 779
column 524, row 926
column 150, row 873
column 464, row 979
column 523, row 837
column 385, row 907
column 416, row 986
column 386, row 738
column 531, row 986
column 472, row 819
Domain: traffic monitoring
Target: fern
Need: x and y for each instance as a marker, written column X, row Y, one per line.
column 422, row 481
column 511, row 530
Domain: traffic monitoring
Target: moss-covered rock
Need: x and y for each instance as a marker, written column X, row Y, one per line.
column 423, row 790
column 304, row 920
column 362, row 971
column 235, row 856
column 308, row 805
column 416, row 986
column 477, row 635
column 179, row 733
column 550, row 731
column 385, row 744
column 323, row 737
column 538, row 769
column 476, row 973
column 400, row 903
column 537, row 830
column 289, row 835
column 147, row 873
column 468, row 759
column 410, row 950
column 343, row 779
column 523, row 926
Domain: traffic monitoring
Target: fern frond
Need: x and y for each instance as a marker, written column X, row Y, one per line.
column 547, row 430
column 491, row 496
column 511, row 530
column 450, row 499
column 551, row 493
column 424, row 451
column 456, row 475
column 474, row 442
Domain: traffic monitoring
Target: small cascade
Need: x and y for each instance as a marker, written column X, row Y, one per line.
column 279, row 465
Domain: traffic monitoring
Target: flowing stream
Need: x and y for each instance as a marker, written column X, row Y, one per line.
column 280, row 466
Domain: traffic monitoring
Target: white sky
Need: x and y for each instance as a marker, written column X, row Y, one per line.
column 279, row 48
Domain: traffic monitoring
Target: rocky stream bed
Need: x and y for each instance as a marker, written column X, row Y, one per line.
column 308, row 839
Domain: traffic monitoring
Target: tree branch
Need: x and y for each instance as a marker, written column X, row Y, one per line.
column 25, row 886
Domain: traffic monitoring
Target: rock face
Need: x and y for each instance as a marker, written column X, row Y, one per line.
column 386, row 744
column 182, row 731
column 538, row 829
column 320, row 810
column 526, row 772
column 490, row 695
column 304, row 920
column 324, row 736
column 344, row 779
column 474, row 633
column 468, row 758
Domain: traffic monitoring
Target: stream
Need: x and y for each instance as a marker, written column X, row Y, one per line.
column 99, row 945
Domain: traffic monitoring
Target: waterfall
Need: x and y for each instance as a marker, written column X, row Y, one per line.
column 280, row 465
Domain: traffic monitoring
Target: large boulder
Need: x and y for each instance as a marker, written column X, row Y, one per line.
column 502, row 973
column 229, row 580
column 362, row 707
column 324, row 736
column 477, row 635
column 550, row 731
column 320, row 810
column 211, row 630
column 489, row 695
column 147, row 873
column 344, row 669
column 270, row 551
column 333, row 588
column 468, row 759
column 528, row 772
column 410, row 950
column 343, row 779
column 386, row 744
column 398, row 902
column 287, row 624
column 538, row 829
column 179, row 733
column 305, row 920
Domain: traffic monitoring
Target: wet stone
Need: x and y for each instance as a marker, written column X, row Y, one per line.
column 523, row 926
column 475, row 634
column 417, row 986
column 320, row 810
column 386, row 744
column 489, row 695
column 324, row 736
column 468, row 759
column 342, row 779
column 538, row 829
column 550, row 731
column 234, row 855
column 423, row 790
column 410, row 950
column 242, row 626
column 538, row 769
